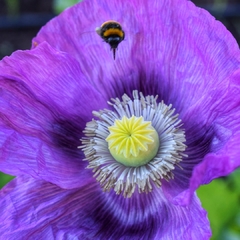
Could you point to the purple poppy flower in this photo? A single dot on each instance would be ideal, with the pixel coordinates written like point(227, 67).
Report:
point(111, 185)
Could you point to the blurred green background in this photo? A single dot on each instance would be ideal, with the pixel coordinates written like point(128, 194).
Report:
point(221, 199)
point(20, 20)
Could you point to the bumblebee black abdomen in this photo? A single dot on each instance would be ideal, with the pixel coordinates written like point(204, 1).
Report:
point(111, 32)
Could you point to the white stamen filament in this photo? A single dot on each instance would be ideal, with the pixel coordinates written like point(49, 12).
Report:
point(124, 179)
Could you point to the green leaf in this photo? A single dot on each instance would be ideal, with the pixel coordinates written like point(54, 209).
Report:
point(60, 5)
point(4, 179)
point(221, 203)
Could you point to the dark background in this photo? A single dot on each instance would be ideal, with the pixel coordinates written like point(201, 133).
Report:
point(20, 20)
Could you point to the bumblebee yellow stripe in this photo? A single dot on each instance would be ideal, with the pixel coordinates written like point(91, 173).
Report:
point(113, 31)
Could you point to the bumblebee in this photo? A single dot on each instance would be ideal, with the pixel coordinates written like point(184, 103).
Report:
point(111, 32)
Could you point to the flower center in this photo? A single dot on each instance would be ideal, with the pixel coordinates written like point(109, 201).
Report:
point(132, 141)
point(122, 146)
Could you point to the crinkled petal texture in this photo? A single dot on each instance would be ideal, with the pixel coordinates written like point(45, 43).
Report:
point(43, 110)
point(172, 49)
point(86, 213)
point(176, 51)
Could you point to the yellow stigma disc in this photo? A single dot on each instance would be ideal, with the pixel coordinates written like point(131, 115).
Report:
point(132, 141)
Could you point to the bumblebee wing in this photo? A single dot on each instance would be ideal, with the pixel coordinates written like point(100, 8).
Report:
point(98, 30)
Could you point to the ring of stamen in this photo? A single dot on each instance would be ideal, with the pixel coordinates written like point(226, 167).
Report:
point(122, 177)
